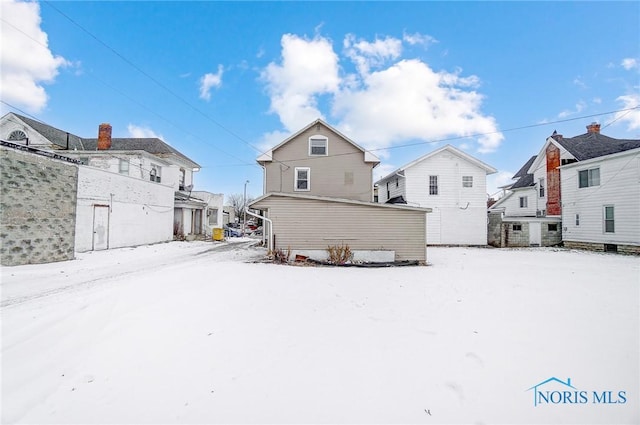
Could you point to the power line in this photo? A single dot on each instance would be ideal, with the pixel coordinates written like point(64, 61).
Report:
point(147, 75)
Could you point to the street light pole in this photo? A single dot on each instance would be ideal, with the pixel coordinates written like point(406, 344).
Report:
point(244, 208)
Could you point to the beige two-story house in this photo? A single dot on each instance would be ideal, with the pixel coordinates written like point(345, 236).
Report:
point(318, 193)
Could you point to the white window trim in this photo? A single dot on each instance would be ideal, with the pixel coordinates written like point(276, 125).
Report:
point(326, 145)
point(589, 178)
point(122, 169)
point(469, 181)
point(436, 186)
point(295, 179)
point(604, 218)
point(526, 202)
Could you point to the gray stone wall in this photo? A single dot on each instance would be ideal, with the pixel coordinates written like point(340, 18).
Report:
point(516, 238)
point(551, 237)
point(600, 247)
point(494, 230)
point(37, 208)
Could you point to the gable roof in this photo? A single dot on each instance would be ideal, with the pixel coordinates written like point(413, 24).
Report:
point(58, 137)
point(268, 155)
point(488, 169)
point(54, 135)
point(523, 171)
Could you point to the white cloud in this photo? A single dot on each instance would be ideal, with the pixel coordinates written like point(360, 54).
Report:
point(383, 170)
point(578, 108)
point(579, 82)
point(137, 131)
point(26, 60)
point(366, 55)
point(629, 63)
point(209, 81)
point(269, 140)
point(309, 69)
point(400, 101)
point(417, 38)
point(496, 180)
point(410, 101)
point(630, 117)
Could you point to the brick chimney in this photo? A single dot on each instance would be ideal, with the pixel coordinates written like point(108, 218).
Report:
point(104, 136)
point(594, 127)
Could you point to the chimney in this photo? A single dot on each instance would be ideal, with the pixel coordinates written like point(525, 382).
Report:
point(104, 136)
point(594, 127)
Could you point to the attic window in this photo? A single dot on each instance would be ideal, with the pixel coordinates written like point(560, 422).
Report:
point(318, 145)
point(17, 135)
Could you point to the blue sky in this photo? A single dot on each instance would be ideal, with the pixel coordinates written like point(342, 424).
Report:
point(223, 81)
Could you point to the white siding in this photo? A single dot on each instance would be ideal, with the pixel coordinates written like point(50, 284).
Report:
point(140, 212)
point(459, 214)
point(511, 204)
point(619, 186)
point(397, 187)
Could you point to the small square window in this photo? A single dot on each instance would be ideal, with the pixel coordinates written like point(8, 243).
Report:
point(467, 181)
point(516, 227)
point(588, 178)
point(552, 227)
point(318, 145)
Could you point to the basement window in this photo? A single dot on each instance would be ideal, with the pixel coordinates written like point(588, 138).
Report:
point(552, 227)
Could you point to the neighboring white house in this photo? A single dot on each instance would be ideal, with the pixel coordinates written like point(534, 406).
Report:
point(135, 190)
point(601, 203)
point(450, 182)
point(518, 219)
point(585, 191)
point(214, 211)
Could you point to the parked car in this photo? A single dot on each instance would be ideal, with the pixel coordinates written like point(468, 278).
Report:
point(231, 232)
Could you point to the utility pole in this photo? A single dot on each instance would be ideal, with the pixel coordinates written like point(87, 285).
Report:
point(244, 208)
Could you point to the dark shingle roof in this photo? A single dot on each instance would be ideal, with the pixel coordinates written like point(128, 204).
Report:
point(55, 136)
point(524, 181)
point(594, 145)
point(154, 146)
point(523, 171)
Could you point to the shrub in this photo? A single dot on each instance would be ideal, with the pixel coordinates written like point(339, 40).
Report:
point(339, 254)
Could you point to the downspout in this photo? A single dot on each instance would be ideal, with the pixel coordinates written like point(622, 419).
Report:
point(270, 243)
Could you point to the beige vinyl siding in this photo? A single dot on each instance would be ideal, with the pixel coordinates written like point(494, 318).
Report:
point(309, 224)
point(341, 174)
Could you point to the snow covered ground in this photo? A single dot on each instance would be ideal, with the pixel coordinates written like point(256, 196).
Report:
point(197, 333)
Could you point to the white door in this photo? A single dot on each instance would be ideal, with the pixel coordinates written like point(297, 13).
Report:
point(535, 231)
point(433, 227)
point(100, 227)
